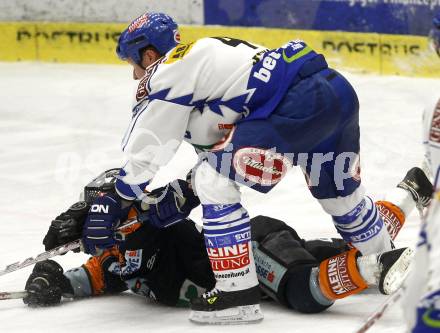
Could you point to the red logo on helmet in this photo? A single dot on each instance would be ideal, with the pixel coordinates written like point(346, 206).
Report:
point(140, 21)
point(177, 36)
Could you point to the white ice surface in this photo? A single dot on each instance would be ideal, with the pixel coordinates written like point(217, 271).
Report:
point(60, 125)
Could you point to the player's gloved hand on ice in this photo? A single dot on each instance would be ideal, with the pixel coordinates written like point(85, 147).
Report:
point(66, 227)
point(47, 284)
point(104, 217)
point(167, 205)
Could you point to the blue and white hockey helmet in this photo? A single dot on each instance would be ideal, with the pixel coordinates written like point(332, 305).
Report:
point(434, 34)
point(150, 29)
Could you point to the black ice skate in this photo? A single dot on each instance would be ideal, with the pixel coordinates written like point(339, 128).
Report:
point(394, 269)
point(417, 183)
point(227, 307)
point(386, 270)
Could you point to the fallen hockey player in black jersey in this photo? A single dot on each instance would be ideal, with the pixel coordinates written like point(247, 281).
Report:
point(171, 266)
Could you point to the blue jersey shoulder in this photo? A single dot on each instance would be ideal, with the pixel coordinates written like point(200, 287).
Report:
point(274, 71)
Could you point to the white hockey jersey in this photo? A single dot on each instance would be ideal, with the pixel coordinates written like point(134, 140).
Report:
point(198, 91)
point(422, 299)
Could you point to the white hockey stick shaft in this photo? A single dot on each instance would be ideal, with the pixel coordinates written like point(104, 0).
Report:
point(42, 256)
point(13, 295)
point(376, 315)
point(53, 253)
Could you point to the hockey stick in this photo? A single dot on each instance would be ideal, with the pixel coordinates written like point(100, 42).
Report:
point(42, 256)
point(54, 252)
point(376, 315)
point(13, 295)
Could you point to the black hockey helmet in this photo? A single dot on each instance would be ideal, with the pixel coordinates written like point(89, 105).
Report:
point(102, 184)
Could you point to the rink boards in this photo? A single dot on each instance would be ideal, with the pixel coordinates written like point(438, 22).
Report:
point(95, 43)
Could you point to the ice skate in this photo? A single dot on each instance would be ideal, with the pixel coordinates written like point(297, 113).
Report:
point(417, 183)
point(227, 308)
point(386, 270)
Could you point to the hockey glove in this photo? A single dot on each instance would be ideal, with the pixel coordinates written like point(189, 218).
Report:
point(99, 228)
point(47, 284)
point(66, 227)
point(169, 204)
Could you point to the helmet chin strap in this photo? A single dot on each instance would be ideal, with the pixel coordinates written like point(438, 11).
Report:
point(152, 64)
point(146, 68)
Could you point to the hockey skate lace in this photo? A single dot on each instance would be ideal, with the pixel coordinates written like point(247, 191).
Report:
point(421, 201)
point(424, 201)
point(421, 204)
point(211, 293)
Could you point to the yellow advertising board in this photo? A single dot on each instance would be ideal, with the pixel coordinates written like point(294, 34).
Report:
point(96, 42)
point(59, 42)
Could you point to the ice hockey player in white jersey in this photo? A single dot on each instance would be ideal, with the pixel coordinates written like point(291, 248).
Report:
point(422, 299)
point(251, 113)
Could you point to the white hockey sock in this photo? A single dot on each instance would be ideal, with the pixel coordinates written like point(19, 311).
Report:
point(402, 199)
point(358, 222)
point(364, 228)
point(227, 234)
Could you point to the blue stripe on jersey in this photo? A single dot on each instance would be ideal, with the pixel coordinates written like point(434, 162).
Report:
point(186, 100)
point(161, 95)
point(236, 104)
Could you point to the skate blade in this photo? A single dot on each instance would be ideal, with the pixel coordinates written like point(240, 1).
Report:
point(398, 272)
point(246, 314)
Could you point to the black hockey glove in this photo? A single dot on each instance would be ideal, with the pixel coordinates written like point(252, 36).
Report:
point(66, 227)
point(168, 205)
point(47, 284)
